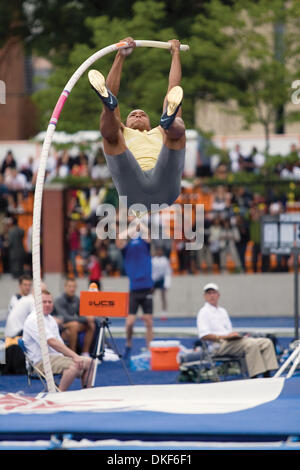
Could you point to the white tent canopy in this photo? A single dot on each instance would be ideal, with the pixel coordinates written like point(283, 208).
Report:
point(76, 138)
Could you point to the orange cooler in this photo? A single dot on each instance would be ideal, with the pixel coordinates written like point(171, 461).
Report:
point(164, 355)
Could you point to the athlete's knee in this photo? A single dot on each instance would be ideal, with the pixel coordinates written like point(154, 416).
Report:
point(87, 363)
point(148, 320)
point(130, 320)
point(176, 130)
point(73, 369)
point(251, 345)
point(109, 136)
point(73, 326)
point(90, 323)
point(178, 121)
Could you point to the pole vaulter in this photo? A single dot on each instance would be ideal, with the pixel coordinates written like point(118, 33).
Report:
point(36, 228)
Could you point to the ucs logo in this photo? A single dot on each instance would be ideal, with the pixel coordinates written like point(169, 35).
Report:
point(102, 303)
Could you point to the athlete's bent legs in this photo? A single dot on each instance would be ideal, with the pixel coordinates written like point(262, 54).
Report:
point(148, 320)
point(130, 321)
point(110, 128)
point(140, 187)
point(174, 137)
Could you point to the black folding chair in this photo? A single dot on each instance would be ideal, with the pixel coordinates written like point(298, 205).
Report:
point(204, 359)
point(33, 372)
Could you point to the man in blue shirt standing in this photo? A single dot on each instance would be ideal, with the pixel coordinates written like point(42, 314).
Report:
point(138, 267)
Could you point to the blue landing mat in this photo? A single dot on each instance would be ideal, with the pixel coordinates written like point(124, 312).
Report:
point(277, 419)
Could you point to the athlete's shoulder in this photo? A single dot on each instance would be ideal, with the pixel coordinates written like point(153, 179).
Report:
point(128, 130)
point(156, 131)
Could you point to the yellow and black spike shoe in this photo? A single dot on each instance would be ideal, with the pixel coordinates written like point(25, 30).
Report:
point(97, 82)
point(174, 100)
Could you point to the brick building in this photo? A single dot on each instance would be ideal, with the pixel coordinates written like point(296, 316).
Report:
point(17, 113)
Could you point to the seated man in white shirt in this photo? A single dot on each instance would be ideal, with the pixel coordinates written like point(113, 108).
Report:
point(214, 326)
point(17, 316)
point(63, 360)
point(25, 285)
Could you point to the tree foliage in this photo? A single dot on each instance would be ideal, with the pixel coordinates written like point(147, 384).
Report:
point(241, 51)
point(145, 73)
point(52, 27)
point(248, 53)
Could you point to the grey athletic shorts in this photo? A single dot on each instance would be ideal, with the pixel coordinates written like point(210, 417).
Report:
point(160, 185)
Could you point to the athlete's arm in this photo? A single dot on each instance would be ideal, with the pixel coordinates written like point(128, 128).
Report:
point(175, 73)
point(131, 231)
point(113, 79)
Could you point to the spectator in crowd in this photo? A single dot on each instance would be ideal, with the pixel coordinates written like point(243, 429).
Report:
point(94, 270)
point(25, 285)
point(51, 165)
point(15, 180)
point(214, 326)
point(248, 163)
point(258, 159)
point(63, 360)
point(87, 241)
point(161, 229)
point(204, 255)
point(4, 245)
point(161, 275)
point(73, 245)
point(105, 262)
point(138, 267)
point(165, 244)
point(66, 311)
point(287, 171)
point(27, 169)
point(236, 158)
point(242, 226)
point(225, 200)
point(4, 196)
point(214, 240)
point(277, 208)
point(28, 254)
point(181, 256)
point(259, 201)
point(80, 165)
point(16, 183)
point(80, 169)
point(255, 236)
point(296, 171)
point(294, 151)
point(18, 314)
point(82, 158)
point(203, 164)
point(229, 236)
point(221, 201)
point(242, 198)
point(8, 162)
point(221, 171)
point(63, 166)
point(14, 358)
point(99, 170)
point(16, 249)
point(115, 257)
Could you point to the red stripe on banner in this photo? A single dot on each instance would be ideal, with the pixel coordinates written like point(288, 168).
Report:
point(13, 402)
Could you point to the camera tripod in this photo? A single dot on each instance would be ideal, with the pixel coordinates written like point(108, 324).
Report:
point(99, 351)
